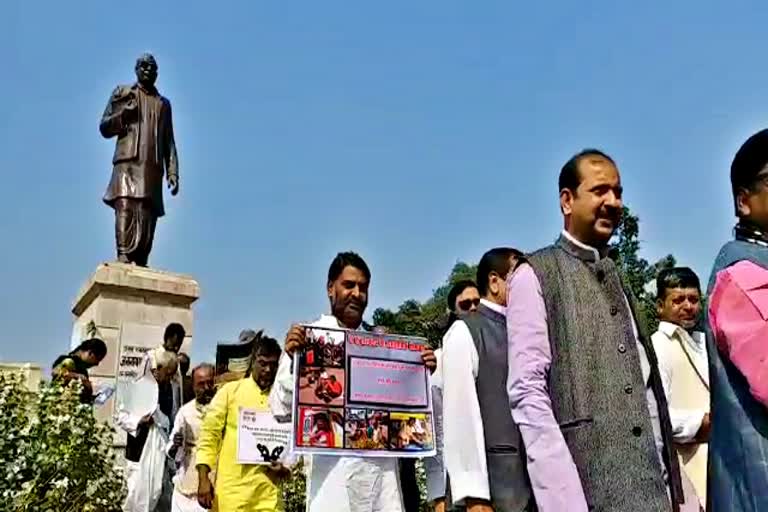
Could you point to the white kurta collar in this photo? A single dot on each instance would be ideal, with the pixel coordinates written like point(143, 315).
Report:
point(330, 322)
point(581, 244)
point(668, 328)
point(692, 344)
point(493, 306)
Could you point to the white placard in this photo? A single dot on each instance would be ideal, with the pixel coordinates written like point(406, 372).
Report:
point(138, 397)
point(135, 341)
point(260, 438)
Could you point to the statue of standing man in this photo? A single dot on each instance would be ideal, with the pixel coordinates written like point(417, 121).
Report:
point(140, 118)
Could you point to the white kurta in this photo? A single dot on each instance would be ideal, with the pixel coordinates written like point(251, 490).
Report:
point(464, 434)
point(182, 503)
point(684, 374)
point(341, 484)
point(187, 423)
point(148, 481)
point(686, 422)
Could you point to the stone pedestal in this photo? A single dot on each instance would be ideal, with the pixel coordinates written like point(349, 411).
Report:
point(129, 308)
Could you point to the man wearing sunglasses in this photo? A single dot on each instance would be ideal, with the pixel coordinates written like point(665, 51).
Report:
point(463, 297)
point(482, 444)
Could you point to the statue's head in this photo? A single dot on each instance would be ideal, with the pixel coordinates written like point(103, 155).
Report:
point(146, 69)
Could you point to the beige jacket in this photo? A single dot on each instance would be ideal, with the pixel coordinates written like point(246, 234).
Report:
point(683, 368)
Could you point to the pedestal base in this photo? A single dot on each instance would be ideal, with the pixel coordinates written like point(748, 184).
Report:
point(129, 308)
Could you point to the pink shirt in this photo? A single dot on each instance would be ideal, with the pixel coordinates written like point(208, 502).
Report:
point(554, 478)
point(738, 316)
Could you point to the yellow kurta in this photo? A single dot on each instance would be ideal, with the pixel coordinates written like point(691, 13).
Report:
point(238, 487)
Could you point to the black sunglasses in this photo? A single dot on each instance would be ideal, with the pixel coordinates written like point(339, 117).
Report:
point(465, 304)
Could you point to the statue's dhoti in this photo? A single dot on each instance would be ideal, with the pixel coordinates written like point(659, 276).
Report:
point(135, 223)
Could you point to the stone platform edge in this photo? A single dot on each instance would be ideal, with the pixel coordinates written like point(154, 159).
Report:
point(175, 288)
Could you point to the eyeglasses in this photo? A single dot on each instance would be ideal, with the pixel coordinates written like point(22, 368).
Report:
point(466, 304)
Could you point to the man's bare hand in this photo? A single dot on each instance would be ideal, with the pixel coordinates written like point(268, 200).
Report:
point(278, 471)
point(87, 386)
point(205, 492)
point(296, 339)
point(429, 359)
point(146, 420)
point(702, 436)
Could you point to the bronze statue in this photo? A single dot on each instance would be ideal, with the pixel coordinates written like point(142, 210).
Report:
point(141, 120)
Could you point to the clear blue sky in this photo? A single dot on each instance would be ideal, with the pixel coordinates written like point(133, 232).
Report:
point(416, 133)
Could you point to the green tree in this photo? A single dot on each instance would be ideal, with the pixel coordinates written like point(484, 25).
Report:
point(638, 273)
point(56, 455)
point(425, 319)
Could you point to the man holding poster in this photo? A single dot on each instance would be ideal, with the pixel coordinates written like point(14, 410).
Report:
point(342, 484)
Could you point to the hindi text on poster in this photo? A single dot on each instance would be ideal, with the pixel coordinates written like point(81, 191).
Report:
point(387, 382)
point(260, 438)
point(362, 394)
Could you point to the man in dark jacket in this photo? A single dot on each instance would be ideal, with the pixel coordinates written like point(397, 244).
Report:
point(736, 344)
point(141, 120)
point(583, 383)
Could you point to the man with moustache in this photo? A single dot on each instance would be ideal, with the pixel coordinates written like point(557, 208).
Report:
point(737, 343)
point(682, 356)
point(342, 484)
point(583, 382)
point(184, 436)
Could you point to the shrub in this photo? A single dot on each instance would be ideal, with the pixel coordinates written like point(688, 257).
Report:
point(295, 489)
point(56, 455)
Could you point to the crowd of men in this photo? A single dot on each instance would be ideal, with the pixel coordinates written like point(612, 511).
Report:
point(549, 392)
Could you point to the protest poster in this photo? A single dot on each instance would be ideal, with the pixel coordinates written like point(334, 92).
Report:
point(362, 393)
point(260, 438)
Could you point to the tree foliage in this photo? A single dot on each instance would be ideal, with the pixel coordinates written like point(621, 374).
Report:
point(638, 273)
point(295, 489)
point(427, 319)
point(56, 455)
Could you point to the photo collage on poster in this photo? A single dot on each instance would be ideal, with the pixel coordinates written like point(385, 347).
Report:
point(362, 393)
